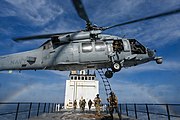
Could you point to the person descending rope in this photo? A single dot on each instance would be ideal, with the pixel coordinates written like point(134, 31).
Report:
point(113, 104)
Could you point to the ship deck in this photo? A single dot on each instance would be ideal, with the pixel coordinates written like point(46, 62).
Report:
point(78, 115)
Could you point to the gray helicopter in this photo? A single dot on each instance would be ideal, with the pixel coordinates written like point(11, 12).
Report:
point(84, 49)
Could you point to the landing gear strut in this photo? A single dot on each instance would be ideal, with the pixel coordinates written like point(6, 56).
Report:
point(116, 66)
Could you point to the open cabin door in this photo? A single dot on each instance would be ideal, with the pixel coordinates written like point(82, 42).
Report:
point(121, 49)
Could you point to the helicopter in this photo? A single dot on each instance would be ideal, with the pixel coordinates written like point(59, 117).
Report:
point(84, 49)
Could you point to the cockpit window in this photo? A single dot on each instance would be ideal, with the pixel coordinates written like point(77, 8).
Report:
point(47, 45)
point(136, 47)
point(55, 43)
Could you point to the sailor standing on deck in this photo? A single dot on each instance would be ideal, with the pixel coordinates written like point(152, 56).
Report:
point(83, 104)
point(80, 104)
point(97, 102)
point(75, 105)
point(113, 104)
point(90, 104)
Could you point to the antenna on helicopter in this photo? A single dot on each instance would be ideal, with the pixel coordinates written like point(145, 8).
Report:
point(123, 36)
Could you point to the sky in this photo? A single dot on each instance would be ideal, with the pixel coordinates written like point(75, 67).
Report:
point(147, 83)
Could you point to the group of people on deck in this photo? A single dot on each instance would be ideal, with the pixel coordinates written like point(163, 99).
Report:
point(82, 104)
point(113, 104)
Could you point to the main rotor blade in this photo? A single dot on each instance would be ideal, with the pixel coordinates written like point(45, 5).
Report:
point(145, 18)
point(80, 10)
point(41, 36)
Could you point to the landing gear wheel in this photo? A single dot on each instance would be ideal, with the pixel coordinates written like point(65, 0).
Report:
point(109, 74)
point(116, 67)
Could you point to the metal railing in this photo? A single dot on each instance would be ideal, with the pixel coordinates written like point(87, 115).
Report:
point(25, 110)
point(151, 111)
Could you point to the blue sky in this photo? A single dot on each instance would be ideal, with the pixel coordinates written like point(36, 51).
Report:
point(147, 83)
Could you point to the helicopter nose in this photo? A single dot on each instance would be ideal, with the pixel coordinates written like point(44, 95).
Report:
point(151, 53)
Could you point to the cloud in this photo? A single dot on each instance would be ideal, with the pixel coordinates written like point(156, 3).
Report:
point(62, 25)
point(161, 32)
point(39, 92)
point(130, 92)
point(61, 73)
point(115, 11)
point(154, 33)
point(4, 31)
point(165, 66)
point(157, 32)
point(126, 91)
point(40, 86)
point(38, 12)
point(122, 10)
point(138, 92)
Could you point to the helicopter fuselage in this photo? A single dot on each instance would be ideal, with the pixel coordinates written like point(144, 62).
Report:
point(81, 51)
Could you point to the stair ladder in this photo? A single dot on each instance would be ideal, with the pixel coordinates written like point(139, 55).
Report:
point(107, 85)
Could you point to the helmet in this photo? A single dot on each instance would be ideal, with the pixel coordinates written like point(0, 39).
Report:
point(111, 93)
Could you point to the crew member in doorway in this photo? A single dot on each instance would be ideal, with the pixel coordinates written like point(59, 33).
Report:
point(117, 46)
point(97, 103)
point(90, 104)
point(113, 104)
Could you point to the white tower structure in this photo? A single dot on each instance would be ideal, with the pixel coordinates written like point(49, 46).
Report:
point(81, 85)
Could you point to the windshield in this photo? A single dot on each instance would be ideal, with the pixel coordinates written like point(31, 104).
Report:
point(136, 47)
point(55, 43)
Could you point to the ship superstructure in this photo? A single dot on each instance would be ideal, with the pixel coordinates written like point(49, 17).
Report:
point(81, 85)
